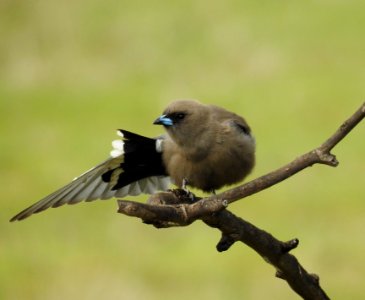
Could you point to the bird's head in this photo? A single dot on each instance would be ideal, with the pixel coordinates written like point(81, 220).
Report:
point(180, 112)
point(183, 119)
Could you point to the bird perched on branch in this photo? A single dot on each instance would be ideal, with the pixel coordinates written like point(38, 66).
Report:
point(206, 147)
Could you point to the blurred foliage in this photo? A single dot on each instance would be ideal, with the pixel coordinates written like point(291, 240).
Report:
point(72, 72)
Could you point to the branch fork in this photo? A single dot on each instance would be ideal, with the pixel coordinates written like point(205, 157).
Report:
point(172, 208)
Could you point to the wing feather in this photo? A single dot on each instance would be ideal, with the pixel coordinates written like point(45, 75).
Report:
point(90, 186)
point(132, 172)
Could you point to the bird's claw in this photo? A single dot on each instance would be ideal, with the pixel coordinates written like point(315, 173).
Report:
point(184, 184)
point(189, 194)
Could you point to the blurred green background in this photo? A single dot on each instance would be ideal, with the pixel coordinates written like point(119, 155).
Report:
point(71, 72)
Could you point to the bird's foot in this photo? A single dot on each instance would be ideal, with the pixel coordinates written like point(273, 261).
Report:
point(184, 184)
point(188, 194)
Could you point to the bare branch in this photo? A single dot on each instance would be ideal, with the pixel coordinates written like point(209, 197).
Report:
point(175, 208)
point(162, 211)
point(167, 209)
point(320, 155)
point(344, 129)
point(271, 250)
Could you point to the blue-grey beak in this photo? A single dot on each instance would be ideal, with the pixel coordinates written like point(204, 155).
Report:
point(163, 120)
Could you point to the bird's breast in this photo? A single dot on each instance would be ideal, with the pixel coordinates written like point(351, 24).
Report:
point(218, 167)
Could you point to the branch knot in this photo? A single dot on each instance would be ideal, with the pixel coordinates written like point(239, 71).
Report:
point(326, 158)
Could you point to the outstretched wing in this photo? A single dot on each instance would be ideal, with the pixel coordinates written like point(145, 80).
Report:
point(135, 167)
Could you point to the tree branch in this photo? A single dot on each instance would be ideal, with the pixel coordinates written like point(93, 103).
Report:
point(175, 208)
point(162, 211)
point(320, 155)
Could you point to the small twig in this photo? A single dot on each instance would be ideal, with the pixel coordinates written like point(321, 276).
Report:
point(344, 130)
point(175, 209)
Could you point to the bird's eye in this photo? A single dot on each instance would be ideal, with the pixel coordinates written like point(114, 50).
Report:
point(180, 116)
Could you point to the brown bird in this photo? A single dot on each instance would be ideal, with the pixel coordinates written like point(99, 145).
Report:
point(206, 147)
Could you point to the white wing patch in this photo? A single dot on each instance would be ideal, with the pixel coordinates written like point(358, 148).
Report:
point(118, 148)
point(159, 145)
